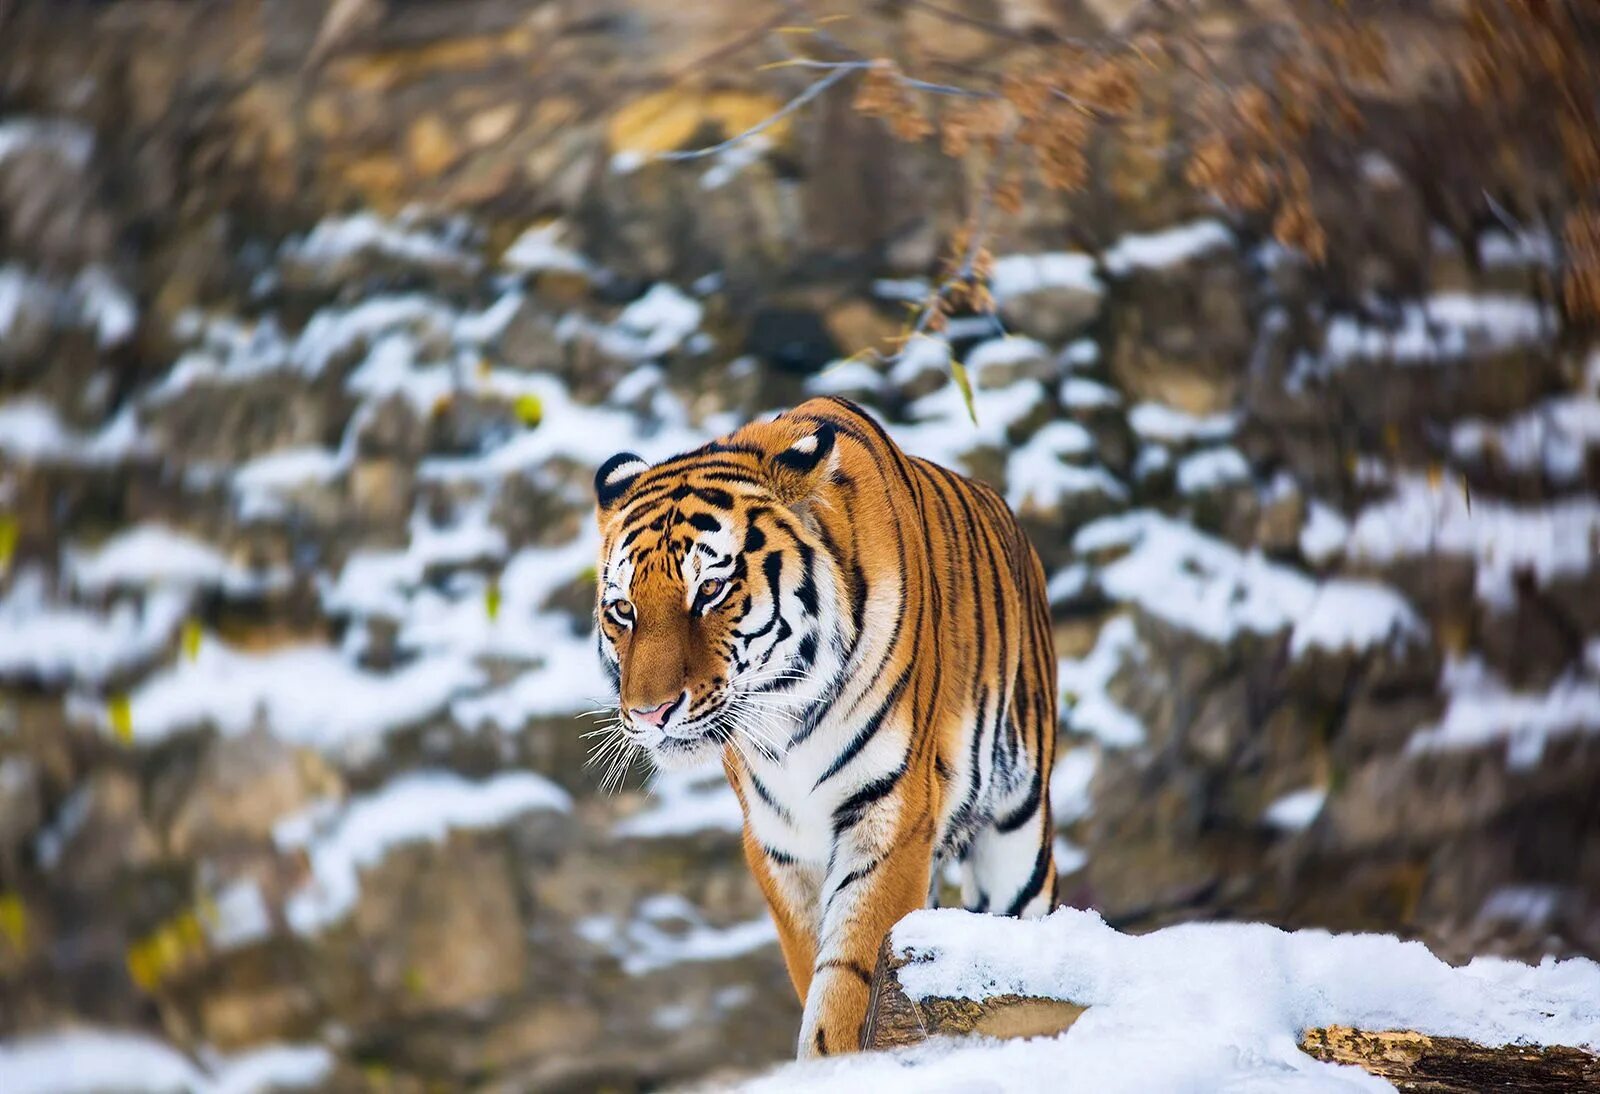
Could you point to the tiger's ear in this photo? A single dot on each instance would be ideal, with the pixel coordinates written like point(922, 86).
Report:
point(795, 472)
point(615, 476)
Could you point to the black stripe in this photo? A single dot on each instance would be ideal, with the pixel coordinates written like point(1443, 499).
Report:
point(851, 878)
point(705, 522)
point(1041, 867)
point(782, 858)
point(766, 797)
point(852, 808)
point(1030, 805)
point(861, 971)
point(867, 731)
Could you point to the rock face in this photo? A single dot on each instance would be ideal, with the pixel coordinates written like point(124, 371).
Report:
point(311, 335)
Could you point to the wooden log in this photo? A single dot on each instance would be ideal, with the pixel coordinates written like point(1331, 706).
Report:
point(1414, 1062)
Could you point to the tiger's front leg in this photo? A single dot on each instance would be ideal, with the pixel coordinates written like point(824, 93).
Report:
point(880, 873)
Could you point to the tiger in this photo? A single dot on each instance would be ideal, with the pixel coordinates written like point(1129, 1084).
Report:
point(862, 638)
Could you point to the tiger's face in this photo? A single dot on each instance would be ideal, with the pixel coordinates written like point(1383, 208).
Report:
point(715, 604)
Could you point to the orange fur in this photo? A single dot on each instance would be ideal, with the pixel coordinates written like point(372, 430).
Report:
point(873, 665)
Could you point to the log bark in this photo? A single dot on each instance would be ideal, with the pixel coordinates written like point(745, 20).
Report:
point(1415, 1063)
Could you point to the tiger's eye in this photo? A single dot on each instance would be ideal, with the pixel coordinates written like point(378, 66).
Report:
point(710, 588)
point(621, 611)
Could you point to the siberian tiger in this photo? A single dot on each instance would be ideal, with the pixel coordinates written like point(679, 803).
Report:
point(863, 638)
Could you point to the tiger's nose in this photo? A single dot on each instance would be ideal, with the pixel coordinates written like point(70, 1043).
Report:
point(655, 716)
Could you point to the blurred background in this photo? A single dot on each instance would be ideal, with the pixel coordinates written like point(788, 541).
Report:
point(1275, 322)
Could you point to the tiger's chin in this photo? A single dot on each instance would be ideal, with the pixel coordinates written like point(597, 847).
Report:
point(682, 754)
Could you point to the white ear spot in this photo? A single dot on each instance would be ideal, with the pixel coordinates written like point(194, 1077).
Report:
point(805, 445)
point(623, 471)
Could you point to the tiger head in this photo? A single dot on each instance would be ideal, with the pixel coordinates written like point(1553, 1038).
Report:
point(717, 600)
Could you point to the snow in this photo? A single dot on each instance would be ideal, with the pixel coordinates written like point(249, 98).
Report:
point(379, 582)
point(91, 1061)
point(154, 555)
point(942, 431)
point(668, 931)
point(307, 695)
point(1482, 711)
point(1324, 534)
point(1161, 250)
point(1549, 542)
point(1018, 275)
point(1198, 1007)
point(1083, 682)
point(32, 432)
point(1078, 393)
point(1295, 811)
point(239, 915)
point(1354, 615)
point(1499, 249)
point(56, 643)
point(541, 250)
point(1168, 425)
point(1553, 438)
point(1010, 350)
point(335, 240)
point(69, 140)
point(1194, 582)
point(655, 324)
point(259, 485)
point(844, 377)
point(1212, 470)
point(1070, 782)
point(1443, 327)
point(1210, 588)
point(423, 806)
point(1037, 478)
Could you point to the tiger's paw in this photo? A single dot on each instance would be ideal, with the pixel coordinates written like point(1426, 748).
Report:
point(836, 1010)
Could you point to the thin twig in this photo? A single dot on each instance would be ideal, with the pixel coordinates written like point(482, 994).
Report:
point(788, 108)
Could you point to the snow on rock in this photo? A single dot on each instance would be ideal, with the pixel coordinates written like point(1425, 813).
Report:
point(154, 555)
point(1168, 425)
point(1553, 438)
point(90, 1061)
point(540, 250)
point(422, 806)
point(1189, 580)
point(1205, 1006)
point(845, 377)
point(653, 325)
point(336, 240)
point(1211, 470)
point(378, 582)
point(1078, 393)
point(1354, 615)
point(941, 429)
point(56, 643)
point(69, 140)
point(1070, 780)
point(32, 432)
point(1009, 350)
point(307, 695)
point(1039, 478)
point(1553, 541)
point(1159, 250)
point(1017, 275)
point(1324, 533)
point(1295, 811)
point(668, 931)
point(1482, 711)
point(1445, 327)
point(1192, 581)
point(1084, 681)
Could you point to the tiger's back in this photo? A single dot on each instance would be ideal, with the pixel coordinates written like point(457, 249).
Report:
point(878, 677)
